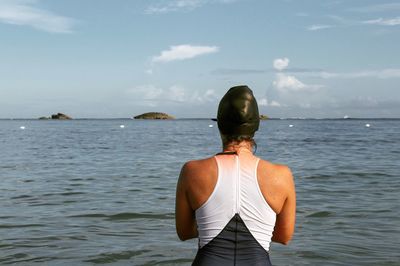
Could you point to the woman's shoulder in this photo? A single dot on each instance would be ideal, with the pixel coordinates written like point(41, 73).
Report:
point(198, 178)
point(198, 168)
point(276, 183)
point(199, 163)
point(276, 172)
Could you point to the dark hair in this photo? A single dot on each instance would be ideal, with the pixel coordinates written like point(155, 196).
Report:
point(236, 139)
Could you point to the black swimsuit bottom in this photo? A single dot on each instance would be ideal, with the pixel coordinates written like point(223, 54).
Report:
point(235, 245)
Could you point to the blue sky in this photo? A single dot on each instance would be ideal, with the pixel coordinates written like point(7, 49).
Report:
point(100, 58)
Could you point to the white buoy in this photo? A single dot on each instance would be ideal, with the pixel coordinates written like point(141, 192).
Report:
point(290, 125)
point(367, 125)
point(22, 127)
point(210, 126)
point(122, 126)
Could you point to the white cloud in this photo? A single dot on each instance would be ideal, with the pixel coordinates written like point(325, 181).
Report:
point(200, 97)
point(337, 22)
point(265, 102)
point(153, 95)
point(22, 12)
point(381, 74)
point(209, 95)
point(174, 6)
point(275, 104)
point(344, 22)
point(281, 63)
point(318, 27)
point(181, 5)
point(184, 51)
point(387, 73)
point(286, 83)
point(384, 22)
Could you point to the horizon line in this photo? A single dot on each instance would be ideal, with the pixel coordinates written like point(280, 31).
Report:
point(201, 118)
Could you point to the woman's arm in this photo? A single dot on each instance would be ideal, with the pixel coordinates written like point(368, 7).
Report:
point(286, 218)
point(185, 221)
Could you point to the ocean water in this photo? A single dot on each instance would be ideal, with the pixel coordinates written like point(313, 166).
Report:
point(87, 192)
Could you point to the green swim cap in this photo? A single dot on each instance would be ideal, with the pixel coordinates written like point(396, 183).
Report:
point(238, 112)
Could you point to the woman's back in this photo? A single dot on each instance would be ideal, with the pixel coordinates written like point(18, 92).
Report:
point(235, 224)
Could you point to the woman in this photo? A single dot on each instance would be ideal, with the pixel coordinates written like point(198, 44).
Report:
point(234, 202)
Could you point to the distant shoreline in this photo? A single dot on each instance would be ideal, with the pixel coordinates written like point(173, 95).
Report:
point(124, 118)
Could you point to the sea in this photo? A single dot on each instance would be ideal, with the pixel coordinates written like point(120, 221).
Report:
point(102, 191)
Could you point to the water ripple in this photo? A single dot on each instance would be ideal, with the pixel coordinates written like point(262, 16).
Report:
point(86, 192)
point(114, 257)
point(126, 216)
point(8, 226)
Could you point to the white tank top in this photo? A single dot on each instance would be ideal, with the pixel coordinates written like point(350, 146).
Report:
point(236, 192)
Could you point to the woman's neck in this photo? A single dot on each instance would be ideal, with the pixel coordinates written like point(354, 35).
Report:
point(238, 147)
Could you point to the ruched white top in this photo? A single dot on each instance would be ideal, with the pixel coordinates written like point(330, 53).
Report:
point(236, 192)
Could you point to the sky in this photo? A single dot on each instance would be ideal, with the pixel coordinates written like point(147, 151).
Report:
point(121, 58)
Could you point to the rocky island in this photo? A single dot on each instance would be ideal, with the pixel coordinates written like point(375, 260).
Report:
point(58, 116)
point(154, 115)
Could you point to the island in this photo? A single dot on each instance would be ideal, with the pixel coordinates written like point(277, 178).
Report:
point(58, 116)
point(154, 115)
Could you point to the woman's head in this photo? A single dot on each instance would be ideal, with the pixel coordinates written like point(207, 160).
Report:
point(238, 117)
